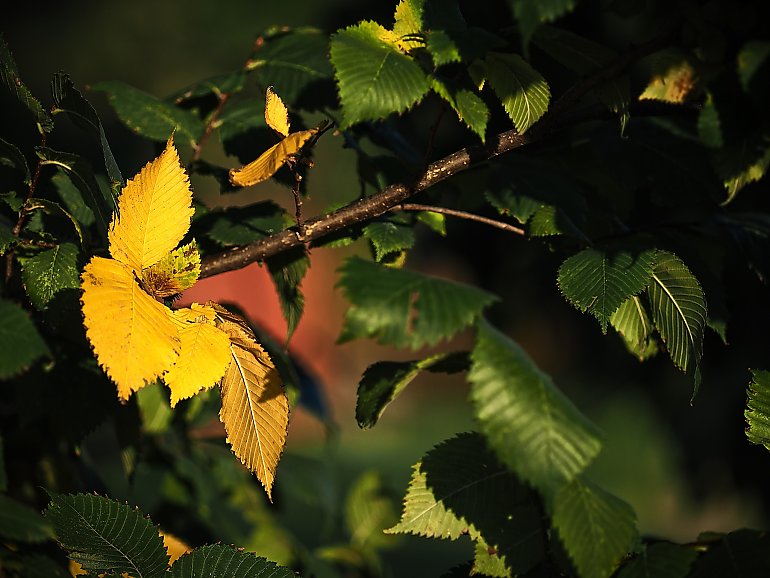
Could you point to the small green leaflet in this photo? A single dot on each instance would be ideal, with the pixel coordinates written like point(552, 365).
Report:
point(596, 528)
point(532, 426)
point(599, 280)
point(50, 272)
point(632, 322)
point(679, 312)
point(522, 90)
point(388, 238)
point(758, 408)
point(404, 308)
point(374, 77)
point(467, 104)
point(103, 535)
point(20, 343)
point(383, 381)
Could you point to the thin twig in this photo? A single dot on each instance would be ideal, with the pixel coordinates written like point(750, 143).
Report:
point(461, 215)
point(294, 168)
point(209, 128)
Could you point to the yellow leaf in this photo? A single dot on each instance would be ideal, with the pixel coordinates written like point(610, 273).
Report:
point(271, 160)
point(673, 84)
point(276, 115)
point(175, 272)
point(154, 212)
point(76, 569)
point(174, 546)
point(255, 409)
point(204, 354)
point(132, 334)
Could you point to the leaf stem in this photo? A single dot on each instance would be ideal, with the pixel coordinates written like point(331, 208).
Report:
point(461, 215)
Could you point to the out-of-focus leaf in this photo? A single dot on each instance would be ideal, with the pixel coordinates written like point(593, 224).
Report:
point(522, 90)
point(531, 13)
point(68, 99)
point(661, 560)
point(758, 409)
point(752, 56)
point(442, 307)
point(20, 523)
point(50, 272)
point(20, 343)
point(383, 381)
point(11, 156)
point(9, 74)
point(739, 553)
point(374, 77)
point(149, 116)
point(532, 426)
point(154, 408)
point(368, 511)
point(596, 528)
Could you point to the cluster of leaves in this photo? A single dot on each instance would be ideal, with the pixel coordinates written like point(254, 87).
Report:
point(646, 218)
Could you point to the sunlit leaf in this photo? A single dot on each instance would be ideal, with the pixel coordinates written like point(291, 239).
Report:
point(132, 334)
point(758, 409)
point(383, 300)
point(20, 343)
point(470, 108)
point(596, 528)
point(487, 563)
point(154, 212)
point(679, 312)
point(674, 81)
point(175, 272)
point(255, 409)
point(266, 165)
point(375, 78)
point(204, 353)
point(106, 536)
point(276, 114)
point(599, 280)
point(522, 90)
point(220, 561)
point(633, 324)
point(532, 426)
point(50, 272)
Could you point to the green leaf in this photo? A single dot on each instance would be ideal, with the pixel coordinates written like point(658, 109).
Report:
point(661, 560)
point(487, 563)
point(408, 18)
point(598, 281)
point(368, 511)
point(20, 343)
point(220, 561)
point(435, 221)
point(388, 237)
point(7, 238)
point(596, 528)
point(50, 272)
point(244, 225)
point(242, 117)
point(633, 324)
point(296, 63)
point(9, 74)
point(460, 488)
point(374, 77)
point(751, 174)
point(42, 566)
point(68, 99)
point(585, 57)
point(383, 381)
point(751, 57)
point(21, 523)
point(758, 408)
point(522, 90)
point(106, 536)
point(442, 48)
point(468, 105)
point(739, 553)
point(679, 312)
point(11, 156)
point(101, 202)
point(531, 13)
point(51, 208)
point(73, 199)
point(532, 426)
point(287, 270)
point(404, 308)
point(231, 82)
point(149, 116)
point(154, 408)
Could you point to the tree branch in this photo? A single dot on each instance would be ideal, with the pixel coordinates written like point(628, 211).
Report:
point(396, 194)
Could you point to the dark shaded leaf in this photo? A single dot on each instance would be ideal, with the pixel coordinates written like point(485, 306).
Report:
point(220, 561)
point(20, 343)
point(50, 272)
